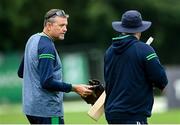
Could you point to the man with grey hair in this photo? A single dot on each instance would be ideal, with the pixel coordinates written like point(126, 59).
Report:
point(41, 70)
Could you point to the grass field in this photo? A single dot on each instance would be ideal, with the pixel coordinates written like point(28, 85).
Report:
point(12, 114)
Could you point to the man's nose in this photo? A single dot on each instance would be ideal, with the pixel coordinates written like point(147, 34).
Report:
point(64, 28)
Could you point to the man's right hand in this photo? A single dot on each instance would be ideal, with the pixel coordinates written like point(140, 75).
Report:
point(97, 88)
point(82, 90)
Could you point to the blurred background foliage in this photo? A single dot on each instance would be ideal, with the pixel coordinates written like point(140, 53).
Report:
point(90, 22)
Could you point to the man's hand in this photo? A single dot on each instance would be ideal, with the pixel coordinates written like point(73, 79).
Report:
point(97, 88)
point(82, 90)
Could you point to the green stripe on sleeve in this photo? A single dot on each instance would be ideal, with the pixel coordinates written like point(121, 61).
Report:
point(55, 120)
point(46, 57)
point(152, 57)
point(50, 56)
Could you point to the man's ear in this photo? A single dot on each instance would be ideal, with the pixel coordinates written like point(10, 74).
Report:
point(137, 35)
point(48, 25)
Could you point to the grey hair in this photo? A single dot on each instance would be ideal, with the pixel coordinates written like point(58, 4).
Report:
point(51, 14)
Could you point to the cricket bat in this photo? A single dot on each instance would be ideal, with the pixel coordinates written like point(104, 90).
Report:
point(96, 111)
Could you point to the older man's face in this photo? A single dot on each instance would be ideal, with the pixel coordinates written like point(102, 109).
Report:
point(58, 28)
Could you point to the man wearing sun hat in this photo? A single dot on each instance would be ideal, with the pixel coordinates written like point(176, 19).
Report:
point(131, 70)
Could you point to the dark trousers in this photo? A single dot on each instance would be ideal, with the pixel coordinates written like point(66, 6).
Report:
point(117, 121)
point(45, 120)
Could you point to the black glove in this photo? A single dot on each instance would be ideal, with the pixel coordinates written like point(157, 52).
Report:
point(97, 88)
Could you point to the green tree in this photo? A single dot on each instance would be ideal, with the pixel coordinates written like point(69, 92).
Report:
point(90, 22)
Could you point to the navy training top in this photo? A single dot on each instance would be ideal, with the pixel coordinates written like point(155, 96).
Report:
point(131, 70)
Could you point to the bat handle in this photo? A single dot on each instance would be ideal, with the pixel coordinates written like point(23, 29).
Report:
point(150, 40)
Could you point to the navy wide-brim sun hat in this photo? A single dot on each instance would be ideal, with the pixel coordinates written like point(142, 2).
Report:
point(131, 22)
